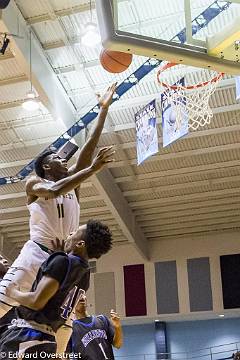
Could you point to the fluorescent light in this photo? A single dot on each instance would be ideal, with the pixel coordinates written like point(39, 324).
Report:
point(31, 104)
point(91, 36)
point(221, 315)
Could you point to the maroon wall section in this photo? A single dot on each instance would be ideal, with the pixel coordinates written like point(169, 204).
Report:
point(135, 292)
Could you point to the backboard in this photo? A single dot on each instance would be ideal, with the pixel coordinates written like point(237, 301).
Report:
point(200, 33)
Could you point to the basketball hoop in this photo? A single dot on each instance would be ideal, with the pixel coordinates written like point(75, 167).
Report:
point(191, 100)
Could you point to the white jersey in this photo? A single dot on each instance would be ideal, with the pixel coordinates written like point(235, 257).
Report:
point(53, 218)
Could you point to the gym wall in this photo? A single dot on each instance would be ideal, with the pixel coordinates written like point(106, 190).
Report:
point(183, 277)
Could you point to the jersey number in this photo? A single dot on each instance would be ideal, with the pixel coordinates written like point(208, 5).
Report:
point(101, 347)
point(70, 300)
point(60, 209)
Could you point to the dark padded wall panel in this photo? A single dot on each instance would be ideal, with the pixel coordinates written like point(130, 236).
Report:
point(166, 287)
point(199, 281)
point(230, 271)
point(135, 293)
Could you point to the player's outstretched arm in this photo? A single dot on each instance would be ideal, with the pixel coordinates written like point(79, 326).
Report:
point(87, 151)
point(39, 188)
point(36, 300)
point(118, 334)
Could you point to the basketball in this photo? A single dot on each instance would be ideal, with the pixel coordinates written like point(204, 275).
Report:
point(115, 61)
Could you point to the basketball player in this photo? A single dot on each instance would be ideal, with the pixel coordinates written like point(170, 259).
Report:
point(53, 203)
point(94, 336)
point(236, 356)
point(59, 283)
point(3, 267)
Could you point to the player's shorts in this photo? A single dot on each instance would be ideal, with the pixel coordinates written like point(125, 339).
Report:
point(17, 341)
point(23, 272)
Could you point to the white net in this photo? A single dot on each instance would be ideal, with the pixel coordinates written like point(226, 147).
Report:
point(191, 102)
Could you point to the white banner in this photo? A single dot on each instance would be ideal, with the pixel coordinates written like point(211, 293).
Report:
point(237, 87)
point(174, 119)
point(146, 132)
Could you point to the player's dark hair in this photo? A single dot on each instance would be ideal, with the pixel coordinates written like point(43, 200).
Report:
point(3, 267)
point(98, 239)
point(236, 356)
point(40, 160)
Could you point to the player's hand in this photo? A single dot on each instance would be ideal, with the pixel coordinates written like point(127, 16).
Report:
point(11, 289)
point(105, 100)
point(57, 245)
point(115, 318)
point(104, 156)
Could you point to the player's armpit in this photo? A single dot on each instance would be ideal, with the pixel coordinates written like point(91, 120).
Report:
point(36, 187)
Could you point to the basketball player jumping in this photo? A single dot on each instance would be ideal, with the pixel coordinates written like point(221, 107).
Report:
point(94, 336)
point(57, 288)
point(53, 202)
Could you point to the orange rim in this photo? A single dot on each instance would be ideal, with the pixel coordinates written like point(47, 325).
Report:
point(190, 87)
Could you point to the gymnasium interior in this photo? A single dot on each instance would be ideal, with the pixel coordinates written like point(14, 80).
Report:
point(174, 271)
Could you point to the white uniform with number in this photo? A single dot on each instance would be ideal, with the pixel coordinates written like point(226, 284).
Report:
point(49, 219)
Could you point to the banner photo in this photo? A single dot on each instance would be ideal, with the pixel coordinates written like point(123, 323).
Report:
point(237, 79)
point(174, 118)
point(146, 132)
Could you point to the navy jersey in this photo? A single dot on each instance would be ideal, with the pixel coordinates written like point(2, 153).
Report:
point(92, 337)
point(59, 307)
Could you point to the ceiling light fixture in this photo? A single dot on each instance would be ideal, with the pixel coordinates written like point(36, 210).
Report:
point(31, 103)
point(91, 36)
point(221, 315)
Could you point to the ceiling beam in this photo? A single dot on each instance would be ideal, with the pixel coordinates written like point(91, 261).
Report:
point(131, 124)
point(164, 173)
point(176, 199)
point(196, 230)
point(195, 134)
point(191, 225)
point(53, 16)
point(12, 196)
point(13, 209)
point(15, 163)
point(189, 209)
point(15, 228)
point(194, 236)
point(179, 154)
point(112, 195)
point(181, 219)
point(192, 134)
point(18, 235)
point(78, 67)
point(18, 145)
point(21, 220)
point(13, 80)
point(11, 104)
point(23, 194)
point(184, 185)
point(99, 211)
point(143, 99)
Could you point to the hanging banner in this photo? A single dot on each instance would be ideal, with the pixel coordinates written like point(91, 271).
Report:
point(174, 118)
point(237, 79)
point(146, 132)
